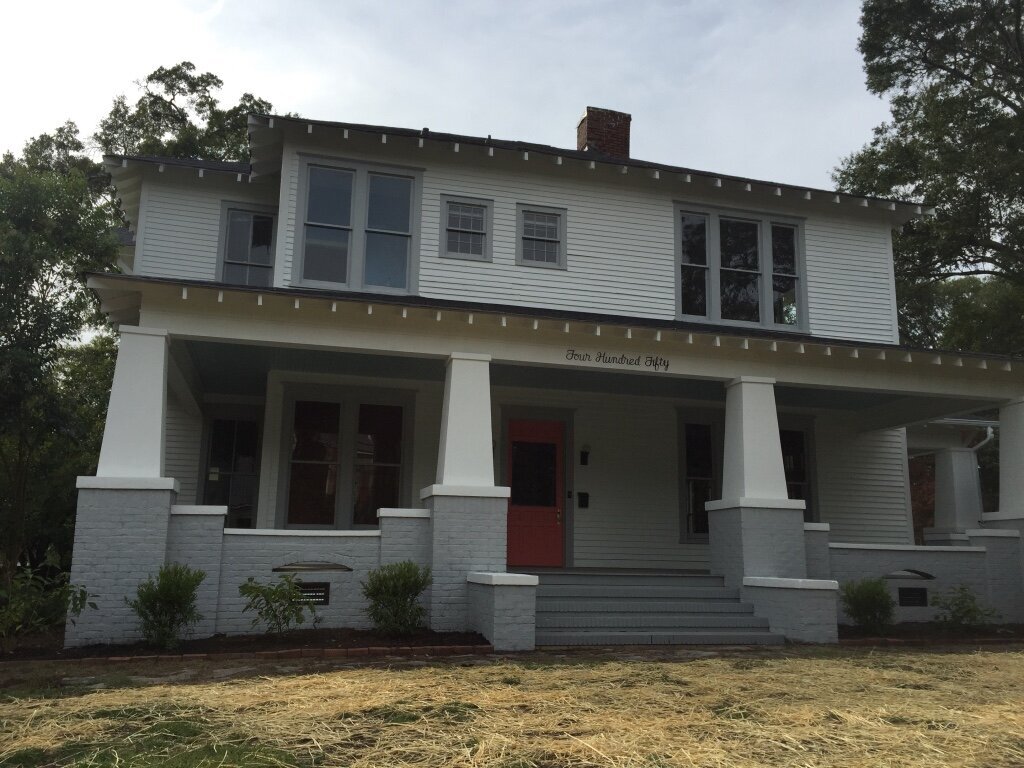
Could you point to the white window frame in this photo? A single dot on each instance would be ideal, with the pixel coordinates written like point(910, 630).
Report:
point(226, 209)
point(488, 233)
point(563, 215)
point(713, 215)
point(361, 171)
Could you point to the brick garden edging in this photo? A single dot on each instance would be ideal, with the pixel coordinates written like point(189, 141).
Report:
point(291, 653)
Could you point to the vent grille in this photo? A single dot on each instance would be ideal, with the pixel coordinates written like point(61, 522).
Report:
point(913, 597)
point(315, 592)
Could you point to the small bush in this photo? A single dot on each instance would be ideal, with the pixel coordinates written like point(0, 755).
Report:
point(869, 604)
point(36, 600)
point(280, 605)
point(959, 609)
point(166, 606)
point(393, 591)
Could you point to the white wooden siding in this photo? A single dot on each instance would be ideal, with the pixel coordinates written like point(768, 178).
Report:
point(863, 485)
point(850, 285)
point(182, 231)
point(182, 444)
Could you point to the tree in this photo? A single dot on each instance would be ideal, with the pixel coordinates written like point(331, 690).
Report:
point(954, 72)
point(53, 227)
point(178, 115)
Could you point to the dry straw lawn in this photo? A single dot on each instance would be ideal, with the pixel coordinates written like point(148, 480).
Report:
point(801, 708)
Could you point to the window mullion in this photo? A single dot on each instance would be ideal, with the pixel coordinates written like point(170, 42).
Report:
point(715, 268)
point(767, 266)
point(360, 220)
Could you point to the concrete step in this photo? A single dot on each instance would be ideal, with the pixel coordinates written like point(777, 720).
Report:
point(640, 606)
point(661, 622)
point(638, 592)
point(632, 579)
point(688, 637)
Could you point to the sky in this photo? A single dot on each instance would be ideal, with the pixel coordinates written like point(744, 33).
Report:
point(768, 89)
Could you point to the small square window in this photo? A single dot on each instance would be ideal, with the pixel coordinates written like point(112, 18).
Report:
point(248, 257)
point(541, 237)
point(465, 228)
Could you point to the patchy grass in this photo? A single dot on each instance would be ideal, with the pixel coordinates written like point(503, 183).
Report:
point(806, 707)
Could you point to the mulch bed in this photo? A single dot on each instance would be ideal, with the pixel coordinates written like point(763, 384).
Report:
point(303, 643)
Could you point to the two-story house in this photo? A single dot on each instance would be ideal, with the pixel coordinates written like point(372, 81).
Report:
point(605, 400)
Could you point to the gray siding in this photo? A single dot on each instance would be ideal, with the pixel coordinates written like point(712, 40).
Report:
point(863, 485)
point(181, 228)
point(182, 440)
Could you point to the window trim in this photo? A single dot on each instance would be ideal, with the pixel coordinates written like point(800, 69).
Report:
point(766, 272)
point(442, 244)
point(563, 215)
point(349, 398)
point(361, 170)
point(226, 207)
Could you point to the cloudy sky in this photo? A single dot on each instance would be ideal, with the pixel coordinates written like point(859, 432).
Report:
point(771, 89)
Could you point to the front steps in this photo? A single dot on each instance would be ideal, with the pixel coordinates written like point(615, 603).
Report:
point(609, 608)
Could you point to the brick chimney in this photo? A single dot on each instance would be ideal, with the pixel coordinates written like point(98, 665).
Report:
point(605, 131)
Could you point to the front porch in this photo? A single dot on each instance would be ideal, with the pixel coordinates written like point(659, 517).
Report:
point(485, 469)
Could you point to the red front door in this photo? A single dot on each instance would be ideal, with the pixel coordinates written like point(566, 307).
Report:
point(536, 475)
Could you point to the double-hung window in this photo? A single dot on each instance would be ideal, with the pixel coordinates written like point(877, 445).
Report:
point(466, 228)
point(358, 228)
point(248, 248)
point(541, 237)
point(739, 268)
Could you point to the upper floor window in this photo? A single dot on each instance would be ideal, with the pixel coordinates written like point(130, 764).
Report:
point(739, 268)
point(248, 248)
point(541, 237)
point(358, 228)
point(467, 228)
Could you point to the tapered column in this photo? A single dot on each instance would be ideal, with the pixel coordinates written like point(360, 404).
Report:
point(957, 492)
point(752, 468)
point(133, 438)
point(1011, 460)
point(465, 457)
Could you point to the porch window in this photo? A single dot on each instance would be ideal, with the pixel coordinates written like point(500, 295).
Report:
point(232, 462)
point(313, 482)
point(699, 486)
point(738, 268)
point(378, 461)
point(794, 462)
point(358, 228)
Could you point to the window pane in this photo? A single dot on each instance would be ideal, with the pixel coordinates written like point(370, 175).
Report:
point(326, 254)
point(246, 456)
point(387, 259)
point(784, 300)
point(236, 274)
point(783, 249)
point(330, 196)
point(740, 296)
point(463, 216)
point(739, 245)
point(315, 436)
point(262, 233)
point(698, 491)
point(543, 225)
point(222, 446)
point(540, 250)
point(259, 277)
point(380, 434)
point(469, 243)
point(376, 487)
point(698, 450)
point(533, 474)
point(794, 455)
point(311, 494)
point(695, 239)
point(390, 203)
point(694, 295)
point(239, 226)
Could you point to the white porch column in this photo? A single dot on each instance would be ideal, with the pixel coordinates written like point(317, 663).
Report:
point(957, 492)
point(133, 438)
point(465, 456)
point(752, 468)
point(1011, 460)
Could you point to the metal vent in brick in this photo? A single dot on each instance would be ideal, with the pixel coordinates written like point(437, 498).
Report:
point(315, 592)
point(913, 597)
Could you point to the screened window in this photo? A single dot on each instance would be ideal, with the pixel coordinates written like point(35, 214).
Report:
point(358, 228)
point(249, 248)
point(738, 268)
point(541, 240)
point(794, 462)
point(232, 464)
point(467, 225)
point(698, 476)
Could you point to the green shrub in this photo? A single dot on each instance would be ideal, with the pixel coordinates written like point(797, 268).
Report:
point(36, 601)
point(393, 591)
point(869, 604)
point(279, 605)
point(959, 609)
point(166, 606)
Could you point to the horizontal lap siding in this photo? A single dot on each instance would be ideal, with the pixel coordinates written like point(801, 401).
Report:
point(862, 485)
point(182, 225)
point(182, 447)
point(849, 280)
